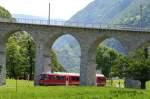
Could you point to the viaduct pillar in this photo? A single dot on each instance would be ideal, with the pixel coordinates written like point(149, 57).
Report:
point(87, 66)
point(2, 62)
point(2, 66)
point(42, 61)
point(39, 61)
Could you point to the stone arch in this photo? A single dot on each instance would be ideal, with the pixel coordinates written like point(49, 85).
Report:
point(143, 45)
point(4, 35)
point(100, 40)
point(95, 44)
point(8, 34)
point(53, 39)
point(91, 60)
point(88, 60)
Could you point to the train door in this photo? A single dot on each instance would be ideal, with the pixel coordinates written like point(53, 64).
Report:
point(67, 80)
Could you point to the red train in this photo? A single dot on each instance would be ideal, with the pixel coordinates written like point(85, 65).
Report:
point(49, 79)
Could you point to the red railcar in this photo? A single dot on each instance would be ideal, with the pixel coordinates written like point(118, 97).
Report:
point(49, 79)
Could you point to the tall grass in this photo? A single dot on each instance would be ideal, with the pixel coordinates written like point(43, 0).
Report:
point(26, 90)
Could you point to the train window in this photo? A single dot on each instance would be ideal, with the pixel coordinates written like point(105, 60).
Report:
point(75, 78)
point(56, 78)
point(100, 78)
point(52, 78)
point(60, 78)
point(43, 76)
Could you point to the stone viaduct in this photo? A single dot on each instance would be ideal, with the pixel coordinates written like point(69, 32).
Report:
point(88, 38)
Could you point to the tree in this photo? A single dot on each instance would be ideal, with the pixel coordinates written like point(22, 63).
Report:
point(21, 51)
point(136, 67)
point(14, 58)
point(55, 65)
point(31, 56)
point(104, 58)
point(28, 52)
point(119, 66)
point(139, 70)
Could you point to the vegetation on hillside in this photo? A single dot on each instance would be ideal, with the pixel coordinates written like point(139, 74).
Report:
point(136, 15)
point(4, 13)
point(55, 65)
point(68, 52)
point(119, 12)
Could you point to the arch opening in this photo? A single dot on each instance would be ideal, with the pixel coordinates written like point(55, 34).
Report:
point(65, 52)
point(104, 52)
point(20, 55)
point(109, 48)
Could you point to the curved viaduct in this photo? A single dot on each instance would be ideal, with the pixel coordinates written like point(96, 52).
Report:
point(88, 38)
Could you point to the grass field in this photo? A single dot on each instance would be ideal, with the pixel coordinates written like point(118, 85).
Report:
point(26, 90)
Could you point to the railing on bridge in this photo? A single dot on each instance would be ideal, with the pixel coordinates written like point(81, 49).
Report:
point(75, 24)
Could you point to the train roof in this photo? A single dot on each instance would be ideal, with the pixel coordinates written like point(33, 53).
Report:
point(70, 74)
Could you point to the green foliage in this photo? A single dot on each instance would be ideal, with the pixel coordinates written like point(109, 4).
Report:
point(137, 67)
point(56, 66)
point(105, 58)
point(122, 12)
point(18, 57)
point(139, 70)
point(4, 13)
point(14, 58)
point(30, 55)
point(119, 67)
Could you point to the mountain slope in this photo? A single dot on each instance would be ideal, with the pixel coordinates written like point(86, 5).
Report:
point(68, 52)
point(134, 14)
point(125, 12)
point(4, 13)
point(100, 11)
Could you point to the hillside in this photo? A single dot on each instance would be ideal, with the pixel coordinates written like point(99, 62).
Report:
point(125, 12)
point(131, 16)
point(4, 13)
point(68, 52)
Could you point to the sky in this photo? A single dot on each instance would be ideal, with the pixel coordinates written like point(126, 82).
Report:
point(60, 9)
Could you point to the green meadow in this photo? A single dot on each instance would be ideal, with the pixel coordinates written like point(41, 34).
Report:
point(26, 90)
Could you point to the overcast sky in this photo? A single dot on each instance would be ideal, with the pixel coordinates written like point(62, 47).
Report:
point(60, 9)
